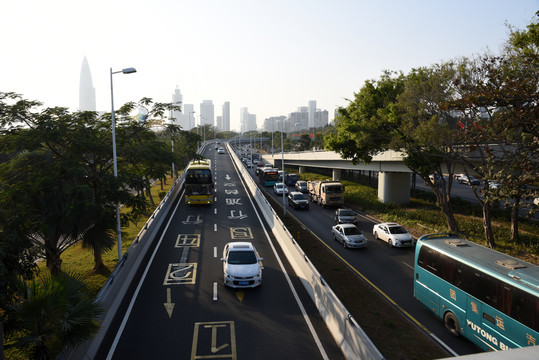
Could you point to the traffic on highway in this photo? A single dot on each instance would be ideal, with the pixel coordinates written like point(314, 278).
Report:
point(387, 262)
point(217, 287)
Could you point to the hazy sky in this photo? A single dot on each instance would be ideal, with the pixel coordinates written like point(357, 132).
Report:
point(269, 56)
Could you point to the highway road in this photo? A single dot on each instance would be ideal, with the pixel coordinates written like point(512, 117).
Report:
point(182, 310)
point(388, 269)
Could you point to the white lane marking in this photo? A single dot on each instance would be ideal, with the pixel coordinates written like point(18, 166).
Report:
point(214, 227)
point(139, 286)
point(215, 291)
point(283, 270)
point(215, 211)
point(410, 266)
point(215, 251)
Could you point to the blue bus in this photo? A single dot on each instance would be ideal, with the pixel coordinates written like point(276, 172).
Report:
point(268, 176)
point(488, 297)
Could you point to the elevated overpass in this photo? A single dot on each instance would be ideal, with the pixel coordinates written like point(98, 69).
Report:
point(394, 177)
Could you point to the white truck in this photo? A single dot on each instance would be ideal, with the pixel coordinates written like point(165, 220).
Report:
point(326, 193)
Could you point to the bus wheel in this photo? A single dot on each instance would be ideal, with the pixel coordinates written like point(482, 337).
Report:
point(452, 323)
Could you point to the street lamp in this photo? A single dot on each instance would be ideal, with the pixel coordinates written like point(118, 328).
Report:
point(115, 165)
point(282, 161)
point(172, 137)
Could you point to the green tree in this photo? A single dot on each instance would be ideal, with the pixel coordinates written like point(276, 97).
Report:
point(49, 314)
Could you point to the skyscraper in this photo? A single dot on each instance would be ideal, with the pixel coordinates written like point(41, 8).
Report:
point(206, 113)
point(177, 99)
point(86, 88)
point(226, 116)
point(312, 112)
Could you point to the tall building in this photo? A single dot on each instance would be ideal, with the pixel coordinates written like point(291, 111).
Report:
point(189, 116)
point(206, 113)
point(226, 116)
point(247, 121)
point(219, 122)
point(86, 88)
point(312, 111)
point(273, 123)
point(177, 99)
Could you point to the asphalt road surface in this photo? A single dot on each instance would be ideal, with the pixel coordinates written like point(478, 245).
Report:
point(390, 270)
point(182, 310)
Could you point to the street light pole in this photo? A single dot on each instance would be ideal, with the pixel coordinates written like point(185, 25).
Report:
point(114, 159)
point(282, 165)
point(172, 139)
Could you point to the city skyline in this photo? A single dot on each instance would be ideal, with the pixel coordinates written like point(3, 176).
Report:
point(268, 57)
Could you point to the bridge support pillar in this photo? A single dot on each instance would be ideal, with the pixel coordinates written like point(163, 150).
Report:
point(394, 187)
point(301, 169)
point(337, 175)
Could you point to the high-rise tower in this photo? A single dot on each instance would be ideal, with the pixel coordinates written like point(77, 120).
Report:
point(86, 88)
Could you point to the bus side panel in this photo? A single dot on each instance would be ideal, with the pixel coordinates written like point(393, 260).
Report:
point(440, 296)
point(426, 296)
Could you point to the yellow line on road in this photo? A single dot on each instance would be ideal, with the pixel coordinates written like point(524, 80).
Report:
point(364, 278)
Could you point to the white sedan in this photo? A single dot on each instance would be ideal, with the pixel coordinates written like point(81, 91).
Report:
point(241, 265)
point(394, 234)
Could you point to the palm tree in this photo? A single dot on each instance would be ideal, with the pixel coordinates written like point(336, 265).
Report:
point(51, 313)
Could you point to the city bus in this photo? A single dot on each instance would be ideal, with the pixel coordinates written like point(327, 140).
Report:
point(268, 176)
point(199, 183)
point(488, 297)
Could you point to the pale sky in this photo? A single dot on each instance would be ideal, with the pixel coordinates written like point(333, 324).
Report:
point(268, 56)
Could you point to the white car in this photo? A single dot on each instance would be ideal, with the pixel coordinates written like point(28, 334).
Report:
point(278, 188)
point(394, 234)
point(242, 267)
point(349, 235)
point(220, 150)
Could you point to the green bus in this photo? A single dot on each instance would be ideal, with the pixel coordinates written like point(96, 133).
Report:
point(488, 297)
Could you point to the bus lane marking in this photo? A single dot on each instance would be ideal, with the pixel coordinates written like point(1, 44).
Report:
point(214, 340)
point(181, 274)
point(190, 240)
point(241, 233)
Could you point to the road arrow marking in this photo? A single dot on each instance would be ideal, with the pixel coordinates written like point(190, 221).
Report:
point(240, 295)
point(169, 305)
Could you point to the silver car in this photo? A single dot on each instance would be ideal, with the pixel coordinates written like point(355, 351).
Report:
point(241, 265)
point(349, 235)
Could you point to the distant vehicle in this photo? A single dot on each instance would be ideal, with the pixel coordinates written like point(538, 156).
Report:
point(220, 150)
point(268, 176)
point(468, 180)
point(436, 179)
point(345, 216)
point(393, 233)
point(291, 179)
point(297, 200)
point(488, 297)
point(326, 193)
point(248, 163)
point(241, 265)
point(301, 186)
point(279, 187)
point(349, 235)
point(493, 184)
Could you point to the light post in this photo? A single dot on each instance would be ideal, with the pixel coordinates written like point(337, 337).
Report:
point(282, 162)
point(114, 159)
point(172, 138)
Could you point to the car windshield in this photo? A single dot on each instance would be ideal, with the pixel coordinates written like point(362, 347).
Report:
point(241, 257)
point(299, 197)
point(346, 213)
point(351, 231)
point(397, 230)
